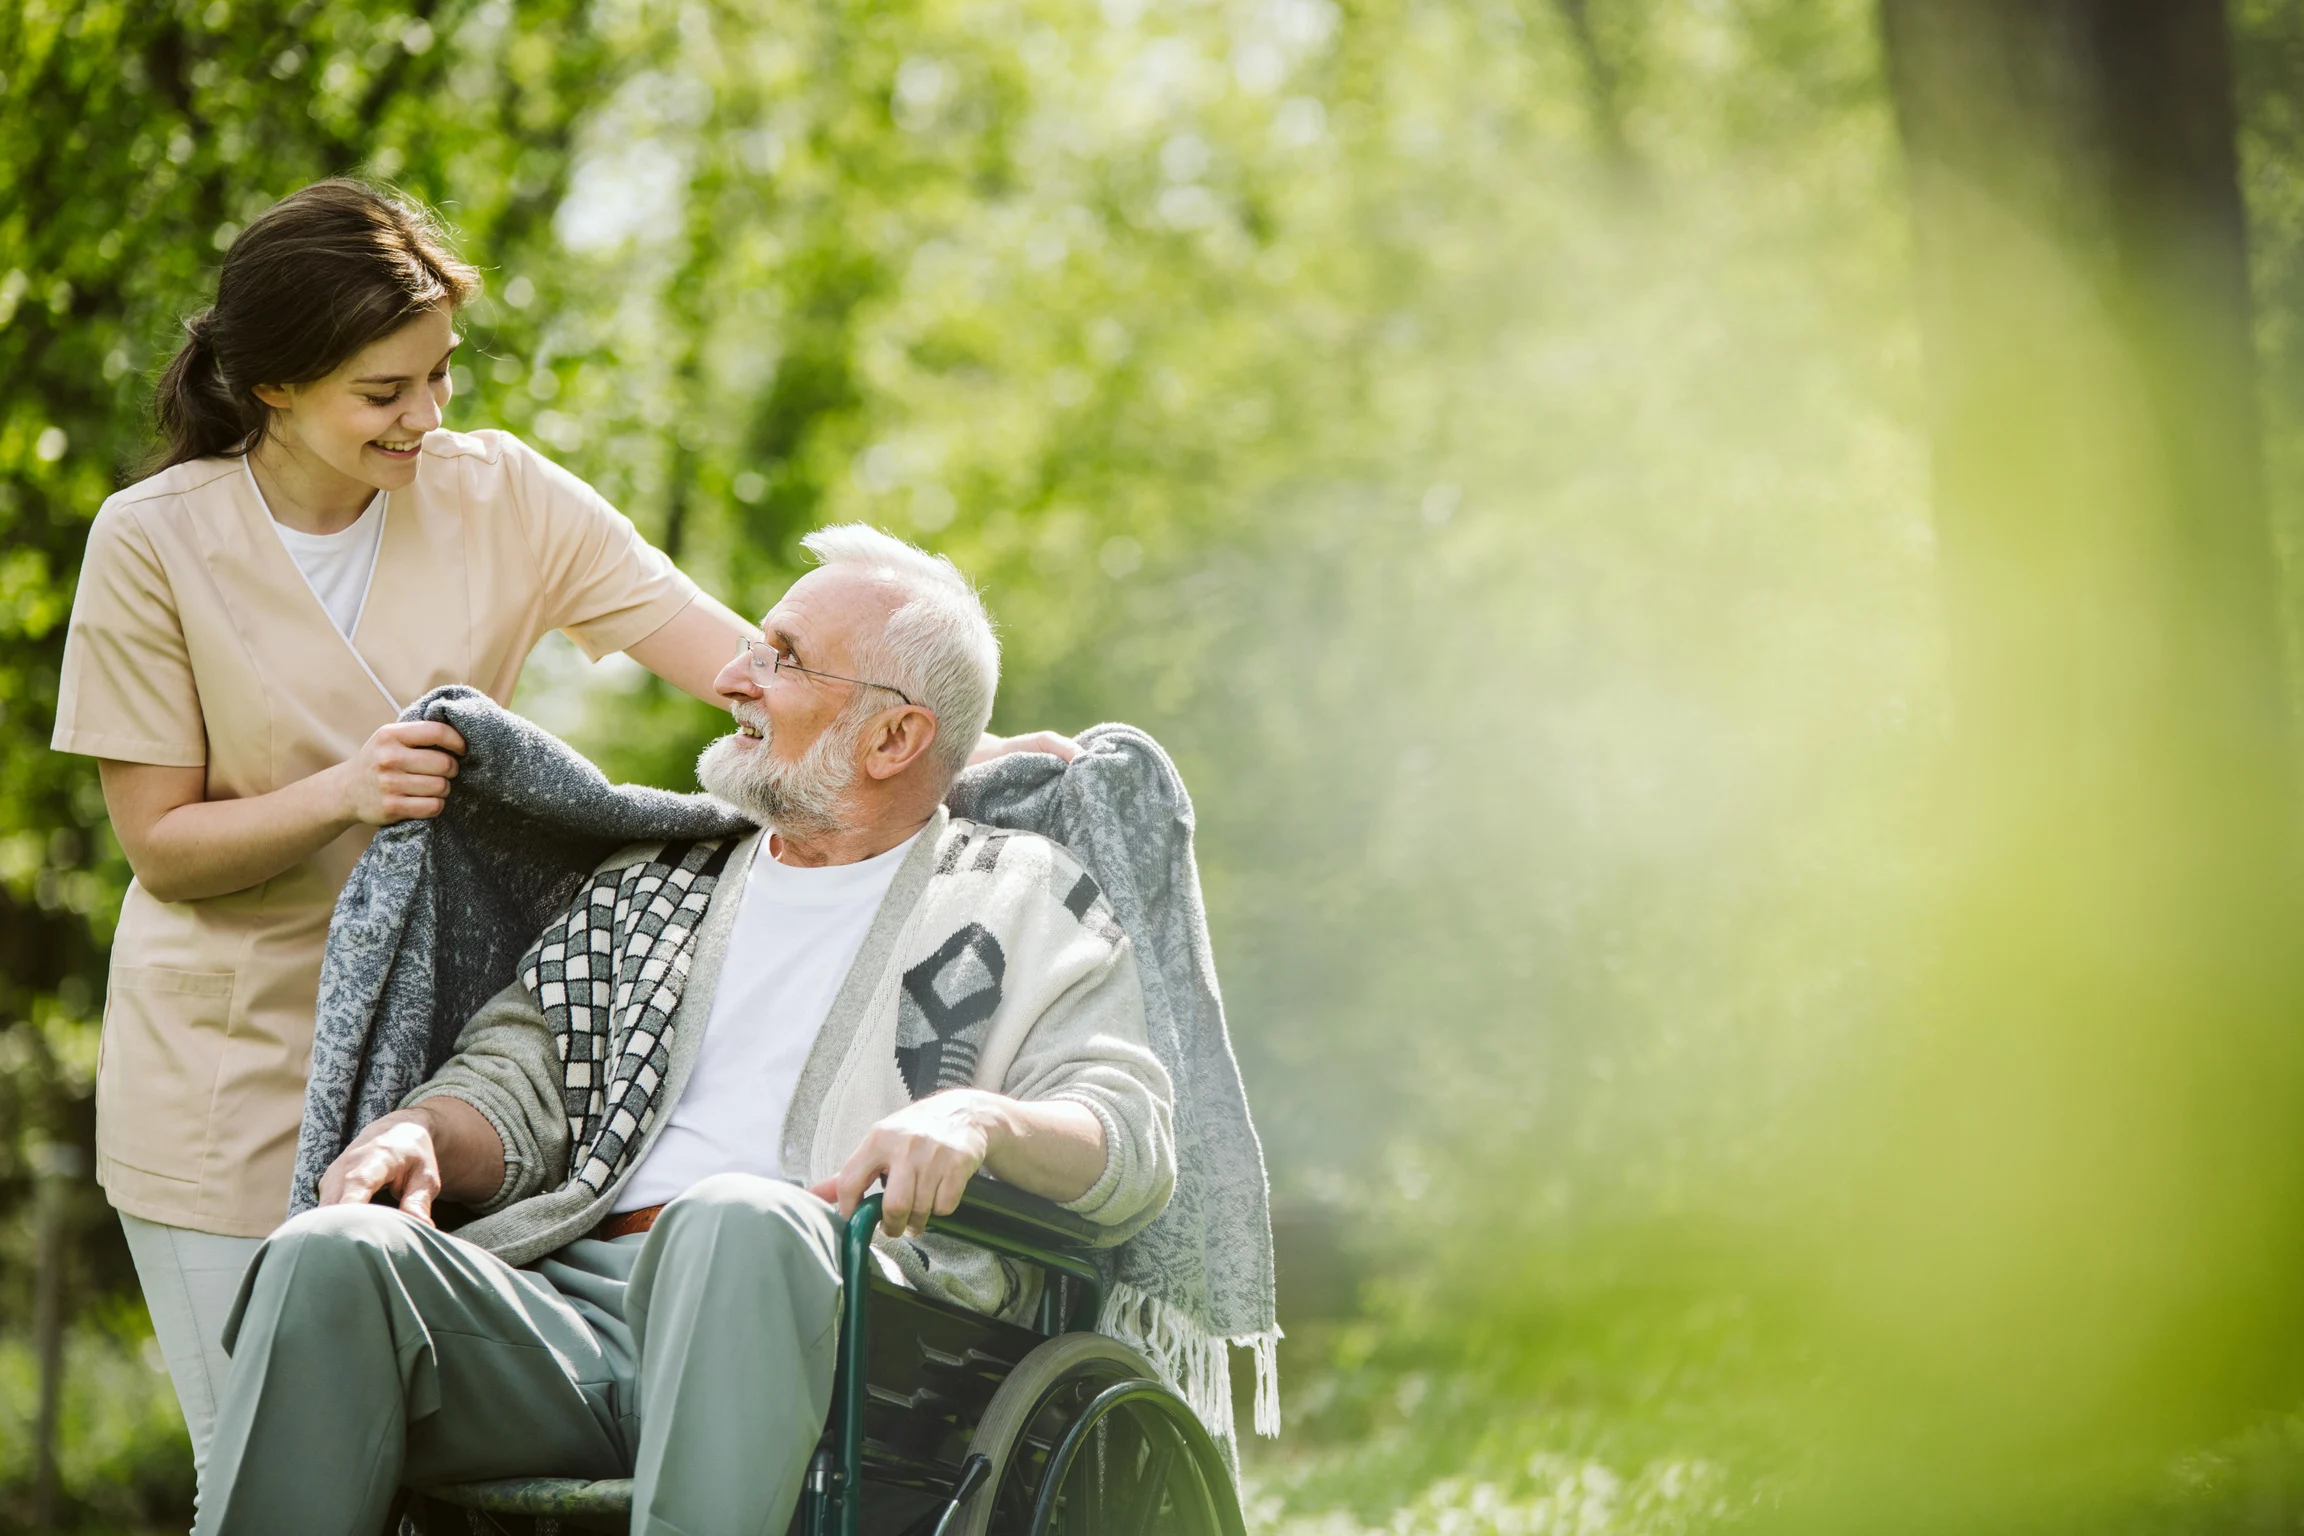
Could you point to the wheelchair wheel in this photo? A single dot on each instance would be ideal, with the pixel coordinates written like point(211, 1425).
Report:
point(1084, 1441)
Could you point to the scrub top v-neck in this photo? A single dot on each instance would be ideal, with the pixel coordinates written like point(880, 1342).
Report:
point(337, 566)
point(197, 642)
point(289, 539)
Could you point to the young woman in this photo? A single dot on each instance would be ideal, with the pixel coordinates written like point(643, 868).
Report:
point(314, 552)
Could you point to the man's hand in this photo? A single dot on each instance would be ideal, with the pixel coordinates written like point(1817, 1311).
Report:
point(395, 1153)
point(927, 1152)
point(441, 1147)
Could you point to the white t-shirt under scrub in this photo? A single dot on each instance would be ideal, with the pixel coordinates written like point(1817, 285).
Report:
point(790, 948)
point(338, 565)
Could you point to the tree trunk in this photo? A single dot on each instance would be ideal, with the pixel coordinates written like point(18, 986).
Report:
point(57, 1167)
point(2084, 290)
point(2081, 1191)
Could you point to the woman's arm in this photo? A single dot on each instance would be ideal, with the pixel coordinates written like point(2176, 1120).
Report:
point(689, 649)
point(184, 846)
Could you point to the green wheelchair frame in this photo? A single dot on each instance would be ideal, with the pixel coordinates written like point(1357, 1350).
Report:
point(1039, 1417)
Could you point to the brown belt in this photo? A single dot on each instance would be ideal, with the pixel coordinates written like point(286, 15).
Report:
point(625, 1223)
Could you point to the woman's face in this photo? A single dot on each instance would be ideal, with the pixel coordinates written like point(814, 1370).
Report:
point(366, 419)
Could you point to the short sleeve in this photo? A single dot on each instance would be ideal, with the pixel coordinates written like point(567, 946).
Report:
point(127, 690)
point(604, 585)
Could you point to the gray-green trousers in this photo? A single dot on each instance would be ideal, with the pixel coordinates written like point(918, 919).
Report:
point(371, 1350)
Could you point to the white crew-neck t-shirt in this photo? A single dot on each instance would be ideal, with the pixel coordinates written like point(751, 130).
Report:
point(338, 565)
point(789, 949)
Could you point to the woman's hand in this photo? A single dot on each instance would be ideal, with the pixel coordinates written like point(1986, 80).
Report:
point(187, 847)
point(402, 773)
point(1062, 748)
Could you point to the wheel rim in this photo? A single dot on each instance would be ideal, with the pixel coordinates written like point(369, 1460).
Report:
point(1150, 1440)
point(1131, 1461)
point(1028, 1416)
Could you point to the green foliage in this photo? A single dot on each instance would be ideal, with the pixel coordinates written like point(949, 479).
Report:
point(122, 1450)
point(138, 139)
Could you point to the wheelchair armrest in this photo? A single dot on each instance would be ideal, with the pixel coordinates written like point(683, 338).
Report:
point(1009, 1212)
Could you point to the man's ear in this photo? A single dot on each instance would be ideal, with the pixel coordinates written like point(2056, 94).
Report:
point(900, 738)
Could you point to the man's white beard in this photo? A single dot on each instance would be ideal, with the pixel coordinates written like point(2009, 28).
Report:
point(799, 799)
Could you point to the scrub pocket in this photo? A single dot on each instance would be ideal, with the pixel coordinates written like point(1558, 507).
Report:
point(156, 1069)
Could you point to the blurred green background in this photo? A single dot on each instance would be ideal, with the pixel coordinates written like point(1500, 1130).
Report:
point(1488, 442)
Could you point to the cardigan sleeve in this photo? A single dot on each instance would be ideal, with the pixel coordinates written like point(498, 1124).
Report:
point(1088, 1047)
point(506, 1067)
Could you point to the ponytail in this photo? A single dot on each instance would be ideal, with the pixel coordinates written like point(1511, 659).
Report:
point(311, 281)
point(199, 416)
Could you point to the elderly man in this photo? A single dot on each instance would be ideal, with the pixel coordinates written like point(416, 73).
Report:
point(659, 1120)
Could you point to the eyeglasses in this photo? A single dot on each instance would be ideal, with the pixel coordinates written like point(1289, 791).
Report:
point(767, 661)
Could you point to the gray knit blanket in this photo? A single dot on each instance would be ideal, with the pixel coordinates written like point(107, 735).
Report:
point(1199, 1278)
point(438, 913)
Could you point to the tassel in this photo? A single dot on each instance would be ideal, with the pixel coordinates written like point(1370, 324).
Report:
point(1194, 1363)
point(1265, 1347)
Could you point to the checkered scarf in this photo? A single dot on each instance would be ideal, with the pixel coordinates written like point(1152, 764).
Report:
point(608, 974)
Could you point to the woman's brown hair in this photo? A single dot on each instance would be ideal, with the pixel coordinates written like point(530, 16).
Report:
point(318, 276)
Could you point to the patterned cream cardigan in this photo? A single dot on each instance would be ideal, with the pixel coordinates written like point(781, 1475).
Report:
point(993, 962)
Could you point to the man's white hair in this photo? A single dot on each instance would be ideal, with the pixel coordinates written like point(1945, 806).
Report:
point(938, 645)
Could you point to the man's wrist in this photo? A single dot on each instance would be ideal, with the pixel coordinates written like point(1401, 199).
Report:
point(382, 1126)
point(989, 1113)
point(438, 1127)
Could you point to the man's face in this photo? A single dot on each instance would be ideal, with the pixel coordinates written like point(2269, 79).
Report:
point(794, 753)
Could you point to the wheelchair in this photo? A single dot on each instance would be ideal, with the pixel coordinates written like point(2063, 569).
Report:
point(945, 1422)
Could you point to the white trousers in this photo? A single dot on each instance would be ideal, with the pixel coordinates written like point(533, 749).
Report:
point(189, 1280)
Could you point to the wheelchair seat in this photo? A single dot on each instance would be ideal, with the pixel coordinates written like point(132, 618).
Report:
point(948, 1423)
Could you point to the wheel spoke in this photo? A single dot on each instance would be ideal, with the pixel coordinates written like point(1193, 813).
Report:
point(1099, 1477)
point(1208, 1524)
point(1152, 1486)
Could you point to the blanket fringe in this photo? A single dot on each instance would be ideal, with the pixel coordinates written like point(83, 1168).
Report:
point(1266, 1348)
point(1197, 1364)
